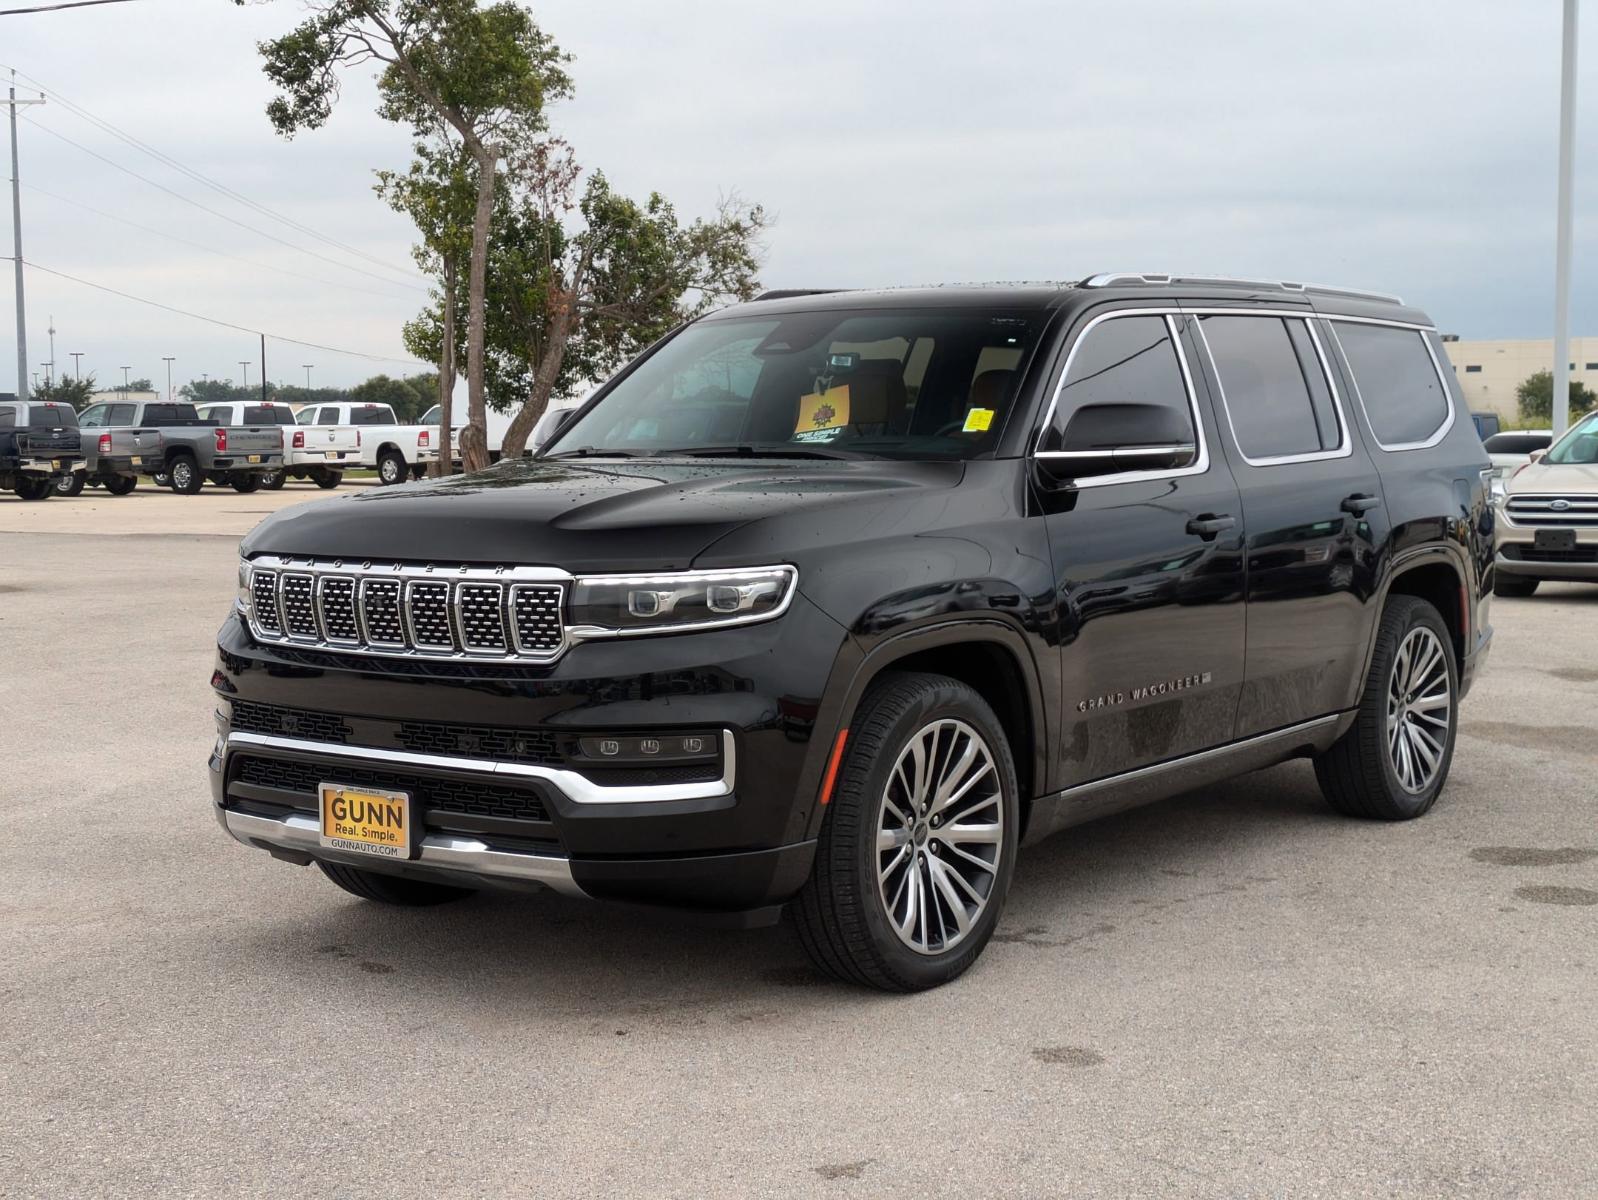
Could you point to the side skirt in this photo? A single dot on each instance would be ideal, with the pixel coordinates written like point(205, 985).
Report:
point(1145, 785)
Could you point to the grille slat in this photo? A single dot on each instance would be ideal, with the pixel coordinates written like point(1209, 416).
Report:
point(1547, 511)
point(388, 610)
point(437, 794)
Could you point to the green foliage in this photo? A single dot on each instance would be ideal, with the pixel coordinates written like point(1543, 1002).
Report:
point(139, 385)
point(1535, 395)
point(408, 403)
point(66, 390)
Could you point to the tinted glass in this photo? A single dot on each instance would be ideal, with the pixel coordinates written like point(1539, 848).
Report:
point(222, 414)
point(95, 416)
point(430, 417)
point(1263, 383)
point(267, 414)
point(52, 416)
point(1403, 397)
point(375, 414)
point(900, 383)
point(155, 414)
point(1126, 360)
point(8, 418)
point(1517, 443)
point(119, 414)
point(329, 416)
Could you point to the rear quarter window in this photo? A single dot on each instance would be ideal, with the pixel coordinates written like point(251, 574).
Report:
point(1397, 382)
point(377, 414)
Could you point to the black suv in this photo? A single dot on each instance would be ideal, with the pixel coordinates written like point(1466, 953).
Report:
point(836, 598)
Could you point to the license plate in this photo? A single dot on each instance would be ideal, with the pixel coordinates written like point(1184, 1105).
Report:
point(366, 820)
point(254, 458)
point(334, 454)
point(137, 461)
point(56, 463)
point(1554, 539)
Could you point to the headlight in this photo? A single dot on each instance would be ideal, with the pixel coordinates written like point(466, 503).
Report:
point(619, 605)
point(241, 601)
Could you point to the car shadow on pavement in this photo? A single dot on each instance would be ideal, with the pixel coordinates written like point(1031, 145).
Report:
point(602, 963)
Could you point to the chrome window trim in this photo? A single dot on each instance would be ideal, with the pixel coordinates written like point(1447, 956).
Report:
point(1200, 463)
point(572, 784)
point(1344, 449)
point(1448, 396)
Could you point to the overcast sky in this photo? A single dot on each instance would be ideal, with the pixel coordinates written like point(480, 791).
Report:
point(1404, 147)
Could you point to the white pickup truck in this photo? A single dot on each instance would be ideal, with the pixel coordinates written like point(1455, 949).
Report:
point(320, 453)
point(398, 452)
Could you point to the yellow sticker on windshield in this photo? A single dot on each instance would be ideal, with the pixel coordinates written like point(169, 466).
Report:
point(977, 420)
point(820, 412)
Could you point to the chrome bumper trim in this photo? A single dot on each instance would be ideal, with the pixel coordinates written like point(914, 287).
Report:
point(446, 851)
point(577, 788)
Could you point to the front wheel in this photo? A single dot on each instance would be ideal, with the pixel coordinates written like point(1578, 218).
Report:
point(327, 480)
point(918, 843)
point(391, 889)
point(185, 476)
point(1394, 759)
point(1513, 585)
point(245, 484)
point(391, 468)
point(73, 484)
point(273, 481)
point(120, 485)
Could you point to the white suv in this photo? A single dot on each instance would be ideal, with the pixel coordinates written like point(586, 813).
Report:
point(1548, 515)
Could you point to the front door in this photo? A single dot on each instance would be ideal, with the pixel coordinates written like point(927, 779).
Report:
point(1148, 564)
point(1312, 504)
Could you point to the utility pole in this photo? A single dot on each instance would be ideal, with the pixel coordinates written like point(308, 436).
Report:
point(1562, 240)
point(244, 373)
point(307, 367)
point(16, 242)
point(125, 382)
point(168, 361)
point(77, 365)
point(50, 376)
point(263, 368)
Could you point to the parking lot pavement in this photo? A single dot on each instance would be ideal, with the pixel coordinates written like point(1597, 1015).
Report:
point(1232, 993)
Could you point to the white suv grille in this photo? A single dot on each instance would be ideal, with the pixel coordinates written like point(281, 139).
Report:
point(490, 614)
point(1566, 512)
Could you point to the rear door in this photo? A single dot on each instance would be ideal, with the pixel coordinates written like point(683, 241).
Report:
point(1313, 506)
point(1148, 565)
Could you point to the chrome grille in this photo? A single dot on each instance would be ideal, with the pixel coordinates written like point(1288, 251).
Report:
point(1565, 512)
point(511, 614)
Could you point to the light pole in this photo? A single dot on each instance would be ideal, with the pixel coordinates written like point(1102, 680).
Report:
point(307, 367)
point(244, 375)
point(168, 360)
point(77, 366)
point(125, 382)
point(1562, 240)
point(16, 241)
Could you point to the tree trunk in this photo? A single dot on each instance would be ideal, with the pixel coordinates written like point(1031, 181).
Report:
point(560, 330)
point(446, 376)
point(474, 450)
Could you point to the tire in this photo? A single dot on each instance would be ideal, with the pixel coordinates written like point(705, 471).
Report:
point(327, 480)
point(1513, 585)
point(120, 485)
point(391, 889)
point(273, 481)
point(245, 484)
point(1364, 774)
point(185, 476)
point(73, 484)
point(162, 479)
point(34, 487)
point(419, 471)
point(857, 894)
point(391, 468)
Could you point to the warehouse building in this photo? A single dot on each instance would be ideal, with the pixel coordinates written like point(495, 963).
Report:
point(1489, 372)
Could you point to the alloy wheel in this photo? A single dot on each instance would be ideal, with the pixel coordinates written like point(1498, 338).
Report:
point(940, 834)
point(1419, 709)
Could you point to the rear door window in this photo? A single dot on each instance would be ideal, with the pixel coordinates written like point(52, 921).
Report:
point(1398, 384)
point(157, 414)
point(1275, 393)
point(1122, 360)
point(222, 414)
point(372, 414)
point(119, 414)
point(329, 416)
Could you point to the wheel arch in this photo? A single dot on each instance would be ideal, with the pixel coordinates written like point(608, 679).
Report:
point(990, 656)
point(1433, 574)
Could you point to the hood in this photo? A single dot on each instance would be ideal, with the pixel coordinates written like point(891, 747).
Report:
point(1566, 479)
point(619, 515)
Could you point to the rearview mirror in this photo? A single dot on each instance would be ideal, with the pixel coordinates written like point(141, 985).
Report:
point(1108, 439)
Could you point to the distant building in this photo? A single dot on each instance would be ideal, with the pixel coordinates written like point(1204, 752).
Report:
point(115, 394)
point(1489, 372)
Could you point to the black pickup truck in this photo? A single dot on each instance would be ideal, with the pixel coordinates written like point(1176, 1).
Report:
point(39, 446)
point(835, 600)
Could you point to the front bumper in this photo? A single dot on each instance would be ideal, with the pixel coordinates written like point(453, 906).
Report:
point(241, 462)
point(1518, 553)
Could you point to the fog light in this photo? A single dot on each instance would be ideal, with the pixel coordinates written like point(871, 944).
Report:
point(653, 750)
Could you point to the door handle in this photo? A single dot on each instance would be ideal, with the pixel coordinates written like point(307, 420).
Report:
point(1207, 525)
point(1360, 504)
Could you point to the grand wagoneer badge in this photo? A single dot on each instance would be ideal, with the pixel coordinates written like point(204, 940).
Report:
point(1166, 686)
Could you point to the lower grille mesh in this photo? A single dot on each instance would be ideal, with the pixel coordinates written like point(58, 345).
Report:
point(446, 795)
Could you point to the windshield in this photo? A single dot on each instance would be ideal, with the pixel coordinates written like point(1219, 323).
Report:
point(915, 383)
point(1579, 446)
point(430, 417)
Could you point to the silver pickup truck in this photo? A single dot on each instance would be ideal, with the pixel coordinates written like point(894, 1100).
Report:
point(319, 453)
point(178, 447)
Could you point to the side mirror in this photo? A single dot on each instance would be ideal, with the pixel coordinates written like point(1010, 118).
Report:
point(1107, 439)
point(1536, 456)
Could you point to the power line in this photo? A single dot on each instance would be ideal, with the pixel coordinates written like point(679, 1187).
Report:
point(182, 241)
point(215, 213)
point(276, 337)
point(42, 8)
point(199, 177)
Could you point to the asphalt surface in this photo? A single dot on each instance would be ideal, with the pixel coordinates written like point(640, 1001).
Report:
point(1234, 993)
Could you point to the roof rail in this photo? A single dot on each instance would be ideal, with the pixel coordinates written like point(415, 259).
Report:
point(786, 293)
point(1131, 279)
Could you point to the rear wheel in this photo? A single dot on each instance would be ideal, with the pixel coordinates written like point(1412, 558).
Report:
point(1513, 585)
point(34, 487)
point(245, 483)
point(1394, 760)
point(73, 484)
point(919, 839)
point(391, 467)
point(185, 476)
point(326, 479)
point(273, 481)
point(391, 889)
point(120, 485)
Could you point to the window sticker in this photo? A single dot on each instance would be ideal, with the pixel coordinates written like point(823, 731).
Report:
point(978, 420)
point(822, 415)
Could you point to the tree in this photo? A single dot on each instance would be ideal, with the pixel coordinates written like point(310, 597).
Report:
point(396, 393)
point(1536, 398)
point(462, 76)
point(66, 390)
point(138, 385)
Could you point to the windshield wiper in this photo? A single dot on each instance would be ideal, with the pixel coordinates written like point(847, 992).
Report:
point(593, 452)
point(746, 450)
